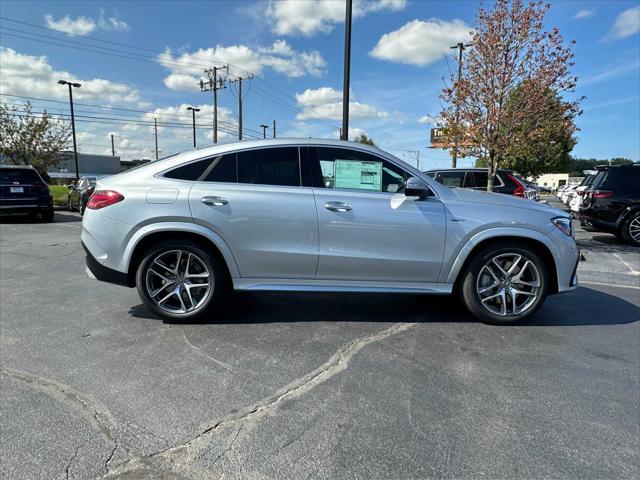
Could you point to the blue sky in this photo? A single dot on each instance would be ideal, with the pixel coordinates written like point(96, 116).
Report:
point(399, 58)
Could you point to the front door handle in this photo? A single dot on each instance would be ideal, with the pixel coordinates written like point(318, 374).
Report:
point(337, 206)
point(214, 201)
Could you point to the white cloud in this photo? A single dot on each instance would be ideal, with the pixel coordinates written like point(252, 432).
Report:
point(580, 14)
point(326, 103)
point(290, 17)
point(626, 24)
point(187, 68)
point(180, 114)
point(420, 42)
point(85, 25)
point(429, 120)
point(33, 76)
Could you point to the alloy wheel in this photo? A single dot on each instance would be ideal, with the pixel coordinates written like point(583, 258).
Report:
point(634, 229)
point(508, 284)
point(178, 281)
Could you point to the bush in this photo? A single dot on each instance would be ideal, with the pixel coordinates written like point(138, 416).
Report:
point(60, 195)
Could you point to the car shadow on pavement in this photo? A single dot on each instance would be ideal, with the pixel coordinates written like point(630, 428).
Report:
point(58, 217)
point(584, 306)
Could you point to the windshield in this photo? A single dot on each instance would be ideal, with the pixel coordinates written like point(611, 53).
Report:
point(19, 175)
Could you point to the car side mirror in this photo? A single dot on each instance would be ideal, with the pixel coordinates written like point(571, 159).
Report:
point(416, 187)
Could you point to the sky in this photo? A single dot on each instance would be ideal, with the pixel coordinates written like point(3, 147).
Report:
point(142, 60)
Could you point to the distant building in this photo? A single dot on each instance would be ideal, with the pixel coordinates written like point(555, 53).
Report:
point(90, 165)
point(553, 180)
point(127, 164)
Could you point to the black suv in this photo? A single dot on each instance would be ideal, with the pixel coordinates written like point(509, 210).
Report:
point(612, 204)
point(22, 190)
point(506, 181)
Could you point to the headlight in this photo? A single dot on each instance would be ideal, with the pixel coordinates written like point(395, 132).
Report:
point(564, 224)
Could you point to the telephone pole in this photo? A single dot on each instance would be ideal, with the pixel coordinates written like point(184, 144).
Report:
point(155, 128)
point(113, 148)
point(213, 85)
point(239, 80)
point(274, 129)
point(344, 134)
point(460, 46)
point(416, 155)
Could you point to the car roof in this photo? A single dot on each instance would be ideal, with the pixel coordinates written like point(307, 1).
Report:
point(473, 169)
point(18, 167)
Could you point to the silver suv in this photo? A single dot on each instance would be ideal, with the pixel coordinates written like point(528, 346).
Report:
point(319, 215)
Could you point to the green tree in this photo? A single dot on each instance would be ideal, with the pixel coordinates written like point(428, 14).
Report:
point(362, 138)
point(31, 139)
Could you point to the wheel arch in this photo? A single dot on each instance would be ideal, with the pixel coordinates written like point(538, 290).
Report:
point(473, 246)
point(147, 237)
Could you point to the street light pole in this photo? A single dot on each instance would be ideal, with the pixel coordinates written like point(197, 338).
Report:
point(460, 46)
point(264, 130)
point(193, 114)
point(73, 124)
point(344, 135)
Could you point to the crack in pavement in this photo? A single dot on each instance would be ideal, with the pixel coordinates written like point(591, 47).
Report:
point(201, 352)
point(68, 467)
point(179, 457)
point(99, 417)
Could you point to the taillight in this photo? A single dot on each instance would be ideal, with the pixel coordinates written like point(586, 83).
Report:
point(103, 198)
point(602, 194)
point(519, 191)
point(40, 186)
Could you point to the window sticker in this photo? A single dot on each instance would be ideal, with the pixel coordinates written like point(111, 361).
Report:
point(358, 174)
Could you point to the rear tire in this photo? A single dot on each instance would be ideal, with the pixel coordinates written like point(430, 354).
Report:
point(505, 284)
point(171, 281)
point(631, 230)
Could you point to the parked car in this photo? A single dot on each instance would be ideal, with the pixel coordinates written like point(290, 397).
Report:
point(22, 190)
point(319, 215)
point(568, 193)
point(580, 191)
point(79, 194)
point(612, 203)
point(506, 181)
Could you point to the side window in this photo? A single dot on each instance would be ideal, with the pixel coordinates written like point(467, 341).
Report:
point(191, 171)
point(223, 170)
point(468, 180)
point(451, 179)
point(270, 166)
point(480, 179)
point(343, 168)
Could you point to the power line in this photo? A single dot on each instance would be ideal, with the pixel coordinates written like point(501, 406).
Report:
point(135, 56)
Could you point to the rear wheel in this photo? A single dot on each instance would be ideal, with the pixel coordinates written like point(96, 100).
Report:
point(631, 230)
point(181, 281)
point(504, 284)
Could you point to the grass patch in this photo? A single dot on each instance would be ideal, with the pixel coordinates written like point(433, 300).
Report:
point(60, 195)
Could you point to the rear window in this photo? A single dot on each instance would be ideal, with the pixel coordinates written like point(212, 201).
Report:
point(191, 171)
point(451, 179)
point(224, 170)
point(616, 178)
point(19, 175)
point(270, 166)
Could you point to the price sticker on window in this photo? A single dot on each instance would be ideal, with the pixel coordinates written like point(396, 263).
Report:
point(359, 175)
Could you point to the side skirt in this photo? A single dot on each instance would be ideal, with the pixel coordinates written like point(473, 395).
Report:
point(302, 285)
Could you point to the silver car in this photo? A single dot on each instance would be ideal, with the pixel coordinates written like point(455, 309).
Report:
point(322, 216)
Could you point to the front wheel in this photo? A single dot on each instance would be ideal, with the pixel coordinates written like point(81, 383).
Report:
point(631, 230)
point(505, 284)
point(179, 280)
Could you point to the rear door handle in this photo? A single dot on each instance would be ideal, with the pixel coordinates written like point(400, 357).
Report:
point(214, 201)
point(337, 206)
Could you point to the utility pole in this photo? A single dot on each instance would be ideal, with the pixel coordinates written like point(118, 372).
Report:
point(274, 129)
point(155, 128)
point(239, 80)
point(73, 125)
point(344, 134)
point(113, 148)
point(213, 85)
point(193, 114)
point(264, 130)
point(416, 155)
point(460, 46)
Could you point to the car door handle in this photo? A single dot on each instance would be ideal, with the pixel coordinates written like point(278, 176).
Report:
point(214, 201)
point(337, 206)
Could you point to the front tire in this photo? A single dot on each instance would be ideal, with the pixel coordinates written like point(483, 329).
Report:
point(631, 230)
point(180, 280)
point(505, 284)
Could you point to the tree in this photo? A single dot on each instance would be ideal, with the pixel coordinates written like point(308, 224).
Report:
point(30, 139)
point(511, 50)
point(362, 138)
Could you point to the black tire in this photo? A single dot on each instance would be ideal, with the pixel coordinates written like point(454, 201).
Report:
point(69, 205)
point(47, 215)
point(469, 283)
point(631, 224)
point(215, 296)
point(81, 208)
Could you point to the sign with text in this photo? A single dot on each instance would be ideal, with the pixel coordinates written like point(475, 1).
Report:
point(357, 174)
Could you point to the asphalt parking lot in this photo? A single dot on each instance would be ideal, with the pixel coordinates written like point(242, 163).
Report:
point(311, 385)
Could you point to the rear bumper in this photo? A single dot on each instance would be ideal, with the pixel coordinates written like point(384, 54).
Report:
point(26, 208)
point(105, 274)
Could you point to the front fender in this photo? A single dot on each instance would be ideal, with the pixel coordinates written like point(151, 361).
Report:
point(194, 228)
point(459, 259)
